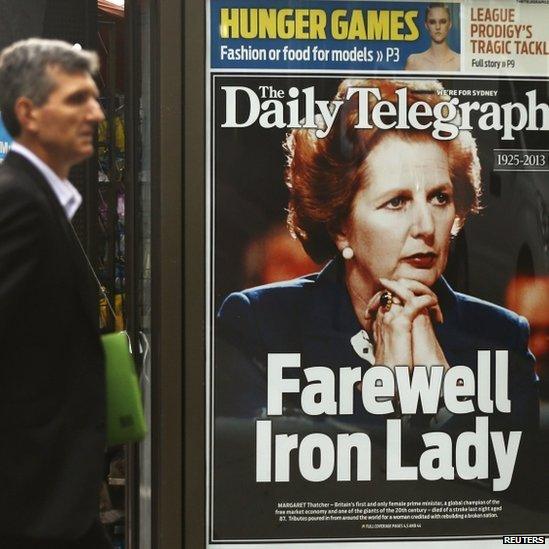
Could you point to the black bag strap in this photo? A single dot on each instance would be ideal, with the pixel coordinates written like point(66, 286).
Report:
point(92, 270)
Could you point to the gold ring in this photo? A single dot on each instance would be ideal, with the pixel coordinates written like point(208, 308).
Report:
point(386, 301)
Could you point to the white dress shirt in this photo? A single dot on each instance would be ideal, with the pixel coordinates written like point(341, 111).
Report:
point(67, 194)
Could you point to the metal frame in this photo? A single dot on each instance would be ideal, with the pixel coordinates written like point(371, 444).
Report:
point(194, 388)
point(133, 91)
point(167, 383)
point(167, 282)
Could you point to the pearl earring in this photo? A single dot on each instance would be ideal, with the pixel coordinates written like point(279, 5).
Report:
point(347, 252)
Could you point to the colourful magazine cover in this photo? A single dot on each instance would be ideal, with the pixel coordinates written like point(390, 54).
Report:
point(377, 352)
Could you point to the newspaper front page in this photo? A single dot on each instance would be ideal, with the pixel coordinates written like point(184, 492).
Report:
point(377, 293)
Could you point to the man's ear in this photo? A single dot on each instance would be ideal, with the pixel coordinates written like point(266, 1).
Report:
point(25, 113)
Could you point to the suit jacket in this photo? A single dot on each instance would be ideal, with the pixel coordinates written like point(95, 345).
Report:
point(314, 316)
point(52, 382)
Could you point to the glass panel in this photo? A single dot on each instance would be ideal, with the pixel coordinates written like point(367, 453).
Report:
point(143, 251)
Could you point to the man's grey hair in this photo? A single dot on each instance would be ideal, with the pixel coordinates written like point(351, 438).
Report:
point(24, 72)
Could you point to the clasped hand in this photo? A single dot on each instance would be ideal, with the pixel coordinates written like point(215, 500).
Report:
point(404, 334)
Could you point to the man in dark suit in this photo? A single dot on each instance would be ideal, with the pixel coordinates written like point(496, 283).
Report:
point(52, 382)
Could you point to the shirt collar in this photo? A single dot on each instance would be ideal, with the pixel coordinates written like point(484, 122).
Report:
point(67, 194)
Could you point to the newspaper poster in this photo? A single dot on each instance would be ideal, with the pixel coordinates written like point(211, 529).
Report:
point(377, 352)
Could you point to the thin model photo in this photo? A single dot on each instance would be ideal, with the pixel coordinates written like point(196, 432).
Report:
point(439, 56)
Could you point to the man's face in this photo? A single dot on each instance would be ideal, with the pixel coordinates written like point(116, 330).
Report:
point(64, 125)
